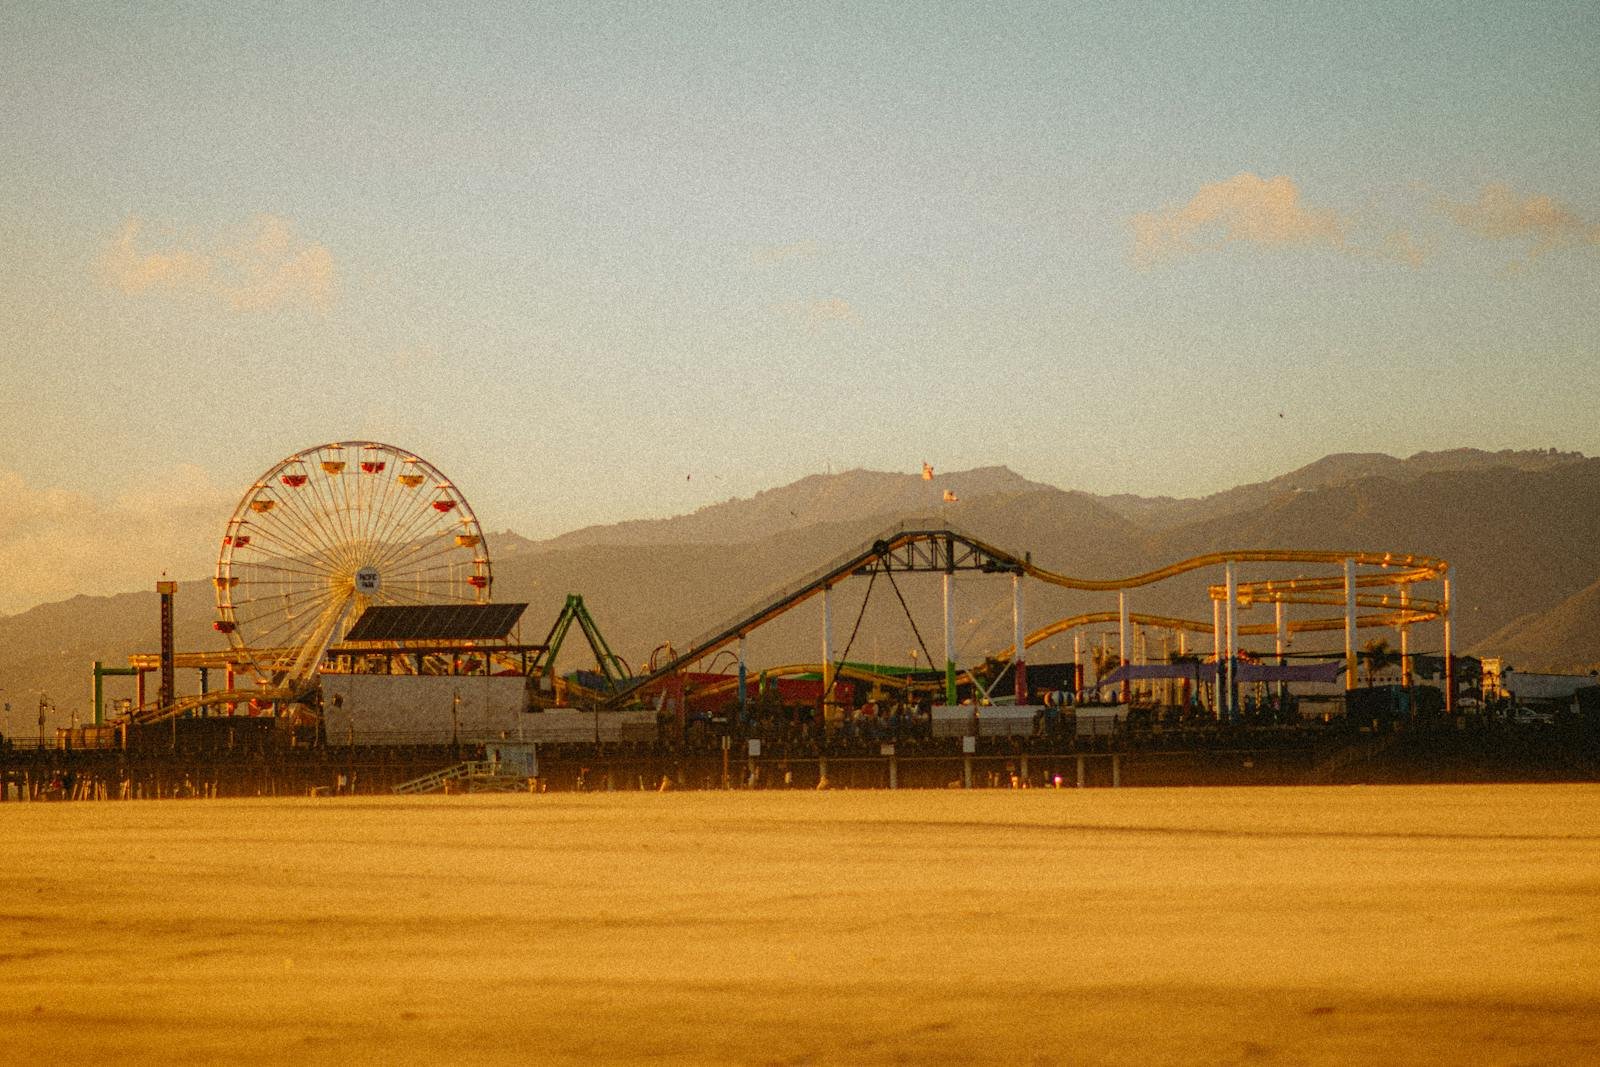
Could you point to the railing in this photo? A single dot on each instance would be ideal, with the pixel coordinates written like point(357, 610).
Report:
point(429, 782)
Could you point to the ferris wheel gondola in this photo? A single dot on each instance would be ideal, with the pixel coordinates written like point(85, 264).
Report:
point(329, 531)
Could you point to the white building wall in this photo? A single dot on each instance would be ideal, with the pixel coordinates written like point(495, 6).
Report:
point(420, 709)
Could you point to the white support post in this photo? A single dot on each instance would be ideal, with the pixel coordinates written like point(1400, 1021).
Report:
point(1019, 655)
point(827, 652)
point(1077, 665)
point(1349, 624)
point(949, 638)
point(1216, 657)
point(1231, 615)
point(1281, 626)
point(1183, 650)
point(1405, 636)
point(1124, 641)
point(1449, 659)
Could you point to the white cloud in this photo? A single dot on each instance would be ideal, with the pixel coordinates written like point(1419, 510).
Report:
point(1500, 214)
point(1269, 213)
point(1244, 209)
point(258, 267)
point(55, 543)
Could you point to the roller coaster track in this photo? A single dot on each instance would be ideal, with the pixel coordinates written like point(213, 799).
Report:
point(730, 683)
point(154, 713)
point(1169, 622)
point(911, 547)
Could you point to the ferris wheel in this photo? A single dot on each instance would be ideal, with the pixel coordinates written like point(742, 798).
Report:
point(329, 531)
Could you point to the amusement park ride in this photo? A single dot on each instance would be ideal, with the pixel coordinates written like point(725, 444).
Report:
point(333, 530)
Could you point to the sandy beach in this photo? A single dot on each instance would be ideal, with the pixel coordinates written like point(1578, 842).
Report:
point(1311, 925)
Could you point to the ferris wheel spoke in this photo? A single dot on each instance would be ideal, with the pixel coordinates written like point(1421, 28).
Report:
point(314, 521)
point(321, 633)
point(354, 489)
point(293, 540)
point(280, 565)
point(287, 518)
point(289, 605)
point(372, 491)
point(273, 603)
point(263, 588)
point(289, 634)
point(379, 503)
point(290, 612)
point(420, 508)
point(421, 551)
point(432, 593)
point(400, 526)
point(439, 571)
point(406, 528)
point(329, 486)
point(446, 596)
point(308, 525)
point(338, 507)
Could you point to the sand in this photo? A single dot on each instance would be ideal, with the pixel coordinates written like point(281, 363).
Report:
point(1295, 926)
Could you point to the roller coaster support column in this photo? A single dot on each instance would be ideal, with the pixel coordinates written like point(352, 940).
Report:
point(1124, 642)
point(1349, 624)
point(827, 653)
point(1019, 633)
point(1183, 650)
point(1216, 659)
point(1281, 624)
point(1230, 614)
point(744, 674)
point(1449, 660)
point(949, 638)
point(1077, 665)
point(1405, 638)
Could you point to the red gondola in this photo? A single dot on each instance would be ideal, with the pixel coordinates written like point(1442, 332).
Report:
point(223, 626)
point(479, 581)
point(372, 466)
point(443, 506)
point(294, 481)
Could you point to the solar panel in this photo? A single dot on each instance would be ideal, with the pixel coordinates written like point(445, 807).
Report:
point(437, 622)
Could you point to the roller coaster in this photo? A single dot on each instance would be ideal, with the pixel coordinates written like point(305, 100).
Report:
point(1379, 596)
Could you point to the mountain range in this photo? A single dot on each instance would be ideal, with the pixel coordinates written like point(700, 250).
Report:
point(1517, 527)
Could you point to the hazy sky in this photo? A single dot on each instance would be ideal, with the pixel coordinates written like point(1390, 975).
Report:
point(602, 261)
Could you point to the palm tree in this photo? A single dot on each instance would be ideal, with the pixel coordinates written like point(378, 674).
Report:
point(1378, 655)
point(1104, 660)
